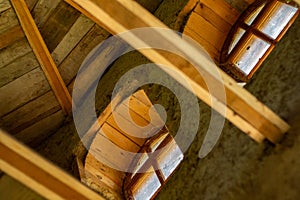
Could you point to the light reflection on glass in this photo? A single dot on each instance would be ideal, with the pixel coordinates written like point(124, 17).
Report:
point(278, 19)
point(254, 49)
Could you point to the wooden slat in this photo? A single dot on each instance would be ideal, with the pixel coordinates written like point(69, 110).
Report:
point(136, 118)
point(120, 16)
point(211, 50)
point(223, 9)
point(58, 24)
point(30, 113)
point(22, 90)
point(95, 167)
point(133, 130)
point(18, 68)
point(11, 36)
point(105, 151)
point(13, 52)
point(144, 111)
point(42, 129)
point(79, 29)
point(102, 178)
point(118, 138)
point(94, 128)
point(38, 174)
point(212, 17)
point(42, 11)
point(8, 20)
point(207, 31)
point(79, 53)
point(4, 5)
point(142, 97)
point(43, 55)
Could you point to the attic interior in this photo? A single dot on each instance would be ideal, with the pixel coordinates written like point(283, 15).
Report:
point(238, 167)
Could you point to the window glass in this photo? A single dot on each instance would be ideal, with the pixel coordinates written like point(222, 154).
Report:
point(277, 19)
point(236, 38)
point(140, 162)
point(169, 159)
point(252, 52)
point(146, 186)
point(253, 15)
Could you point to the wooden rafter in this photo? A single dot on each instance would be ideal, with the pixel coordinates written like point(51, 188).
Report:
point(40, 175)
point(42, 54)
point(243, 109)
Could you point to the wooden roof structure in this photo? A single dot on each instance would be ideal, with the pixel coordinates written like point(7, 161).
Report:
point(55, 47)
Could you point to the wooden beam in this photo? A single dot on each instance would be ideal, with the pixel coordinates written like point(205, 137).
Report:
point(42, 54)
point(246, 112)
point(32, 170)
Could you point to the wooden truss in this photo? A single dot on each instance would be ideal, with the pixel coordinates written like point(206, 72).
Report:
point(242, 108)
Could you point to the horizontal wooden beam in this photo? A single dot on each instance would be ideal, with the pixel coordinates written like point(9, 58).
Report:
point(38, 174)
point(42, 54)
point(243, 109)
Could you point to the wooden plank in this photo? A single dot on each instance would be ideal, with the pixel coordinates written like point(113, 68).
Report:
point(94, 128)
point(136, 118)
point(39, 48)
point(207, 31)
point(211, 50)
point(18, 68)
point(142, 97)
point(42, 11)
point(8, 20)
point(79, 53)
point(30, 113)
point(144, 111)
point(136, 126)
point(101, 179)
point(98, 186)
point(118, 138)
point(79, 29)
point(39, 131)
point(105, 151)
point(16, 50)
point(38, 174)
point(11, 36)
point(4, 5)
point(58, 24)
point(133, 129)
point(13, 190)
point(95, 167)
point(22, 90)
point(216, 20)
point(115, 17)
point(223, 9)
